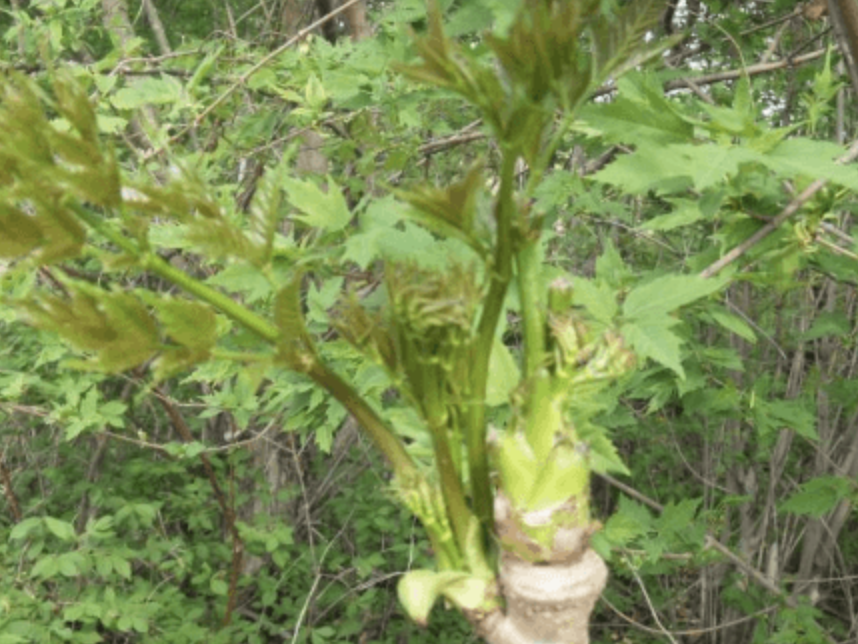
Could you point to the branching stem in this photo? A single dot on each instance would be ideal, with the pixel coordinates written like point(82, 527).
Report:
point(384, 438)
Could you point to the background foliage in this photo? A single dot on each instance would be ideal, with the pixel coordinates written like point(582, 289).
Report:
point(125, 501)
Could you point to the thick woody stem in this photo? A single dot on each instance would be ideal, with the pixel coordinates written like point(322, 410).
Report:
point(546, 604)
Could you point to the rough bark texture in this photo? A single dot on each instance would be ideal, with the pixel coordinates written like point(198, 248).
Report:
point(157, 26)
point(116, 20)
point(118, 24)
point(294, 14)
point(359, 26)
point(844, 19)
point(546, 603)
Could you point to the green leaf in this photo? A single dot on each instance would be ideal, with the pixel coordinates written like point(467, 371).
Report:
point(191, 324)
point(52, 232)
point(116, 324)
point(600, 300)
point(265, 213)
point(295, 344)
point(734, 324)
point(815, 159)
point(13, 639)
point(676, 518)
point(19, 232)
point(147, 91)
point(418, 591)
point(470, 18)
point(46, 567)
point(729, 121)
point(743, 100)
point(186, 198)
point(218, 587)
point(619, 38)
point(627, 121)
point(652, 338)
point(604, 456)
point(836, 324)
point(23, 529)
point(504, 375)
point(451, 211)
point(798, 415)
point(384, 235)
point(61, 529)
point(610, 267)
point(710, 165)
point(565, 475)
point(139, 623)
point(315, 96)
point(204, 69)
point(517, 466)
point(122, 566)
point(71, 564)
point(101, 527)
point(630, 521)
point(218, 238)
point(103, 566)
point(663, 295)
point(685, 213)
point(654, 168)
point(818, 496)
point(726, 358)
point(328, 211)
point(185, 450)
point(322, 298)
point(645, 170)
point(243, 278)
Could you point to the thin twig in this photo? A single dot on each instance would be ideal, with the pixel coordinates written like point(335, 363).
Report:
point(691, 632)
point(316, 580)
point(709, 542)
point(786, 213)
point(648, 601)
point(732, 74)
point(242, 80)
point(834, 248)
point(229, 517)
point(771, 23)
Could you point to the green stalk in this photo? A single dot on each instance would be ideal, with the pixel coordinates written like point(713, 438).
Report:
point(382, 436)
point(451, 487)
point(225, 304)
point(532, 311)
point(541, 419)
point(152, 262)
point(501, 275)
point(446, 557)
point(435, 410)
point(241, 356)
point(537, 170)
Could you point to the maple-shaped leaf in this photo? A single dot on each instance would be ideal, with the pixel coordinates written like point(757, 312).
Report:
point(319, 209)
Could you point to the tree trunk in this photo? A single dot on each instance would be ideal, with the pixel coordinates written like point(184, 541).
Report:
point(117, 22)
point(359, 26)
point(157, 26)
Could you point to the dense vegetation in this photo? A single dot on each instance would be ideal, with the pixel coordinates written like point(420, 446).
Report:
point(254, 276)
